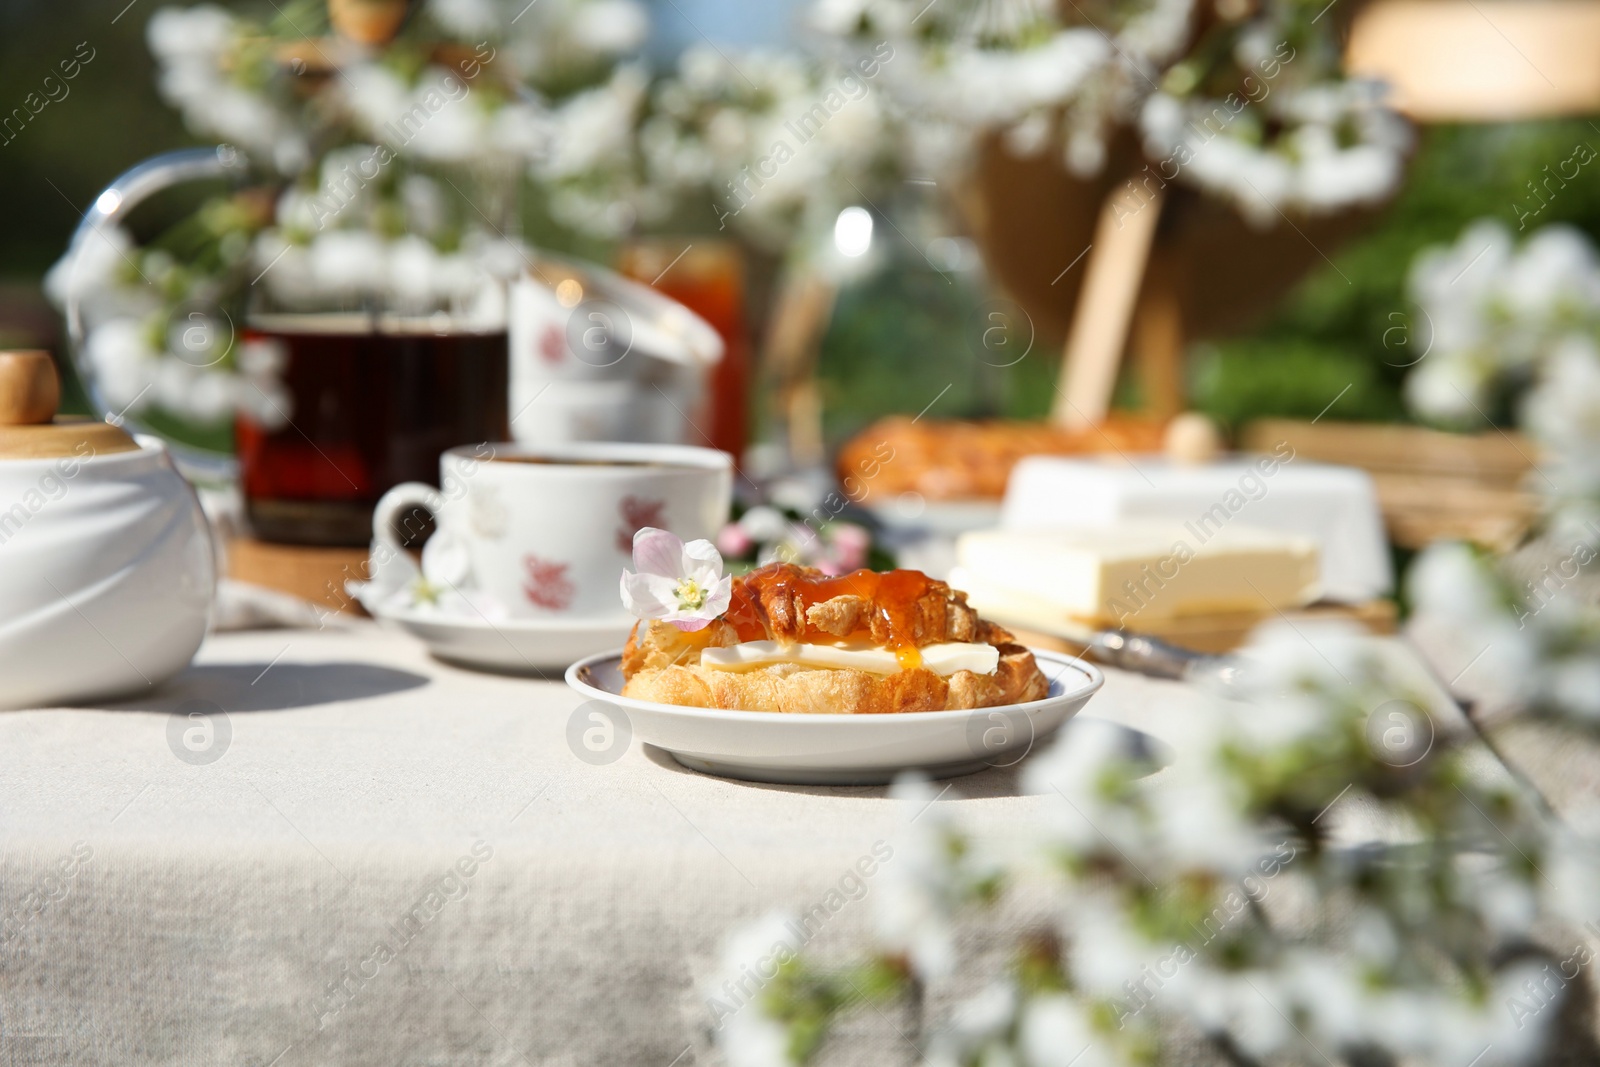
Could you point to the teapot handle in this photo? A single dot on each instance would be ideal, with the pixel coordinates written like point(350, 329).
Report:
point(129, 189)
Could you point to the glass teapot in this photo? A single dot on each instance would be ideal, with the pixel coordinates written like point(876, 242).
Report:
point(338, 393)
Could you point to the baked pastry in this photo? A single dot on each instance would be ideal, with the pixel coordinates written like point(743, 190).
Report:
point(951, 460)
point(795, 640)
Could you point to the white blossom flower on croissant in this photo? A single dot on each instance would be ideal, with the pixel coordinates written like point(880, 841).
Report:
point(675, 582)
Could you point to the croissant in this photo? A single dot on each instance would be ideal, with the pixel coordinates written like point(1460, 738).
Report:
point(917, 638)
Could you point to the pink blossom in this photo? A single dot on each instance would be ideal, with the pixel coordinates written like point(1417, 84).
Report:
point(732, 540)
point(675, 582)
point(849, 543)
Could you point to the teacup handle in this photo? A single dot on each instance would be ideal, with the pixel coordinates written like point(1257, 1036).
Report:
point(396, 502)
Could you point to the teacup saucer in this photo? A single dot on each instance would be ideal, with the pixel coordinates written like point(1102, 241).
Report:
point(471, 628)
point(519, 646)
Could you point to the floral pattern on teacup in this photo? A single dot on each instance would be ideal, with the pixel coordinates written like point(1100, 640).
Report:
point(547, 584)
point(488, 513)
point(553, 345)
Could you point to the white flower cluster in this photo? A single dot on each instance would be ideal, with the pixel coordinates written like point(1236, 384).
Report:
point(153, 337)
point(204, 74)
point(749, 959)
point(774, 143)
point(405, 277)
point(550, 41)
point(592, 173)
point(439, 118)
point(227, 81)
point(968, 67)
point(933, 874)
point(355, 241)
point(1534, 642)
point(1301, 885)
point(1495, 316)
point(1293, 135)
point(1339, 147)
point(1518, 329)
point(783, 143)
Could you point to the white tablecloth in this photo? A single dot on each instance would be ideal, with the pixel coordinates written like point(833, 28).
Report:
point(159, 910)
point(399, 862)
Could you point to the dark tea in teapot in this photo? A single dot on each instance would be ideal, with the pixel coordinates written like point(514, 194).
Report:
point(366, 403)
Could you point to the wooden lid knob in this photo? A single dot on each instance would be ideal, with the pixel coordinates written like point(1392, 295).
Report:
point(30, 390)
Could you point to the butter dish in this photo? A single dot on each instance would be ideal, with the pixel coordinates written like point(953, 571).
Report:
point(1131, 574)
point(1334, 507)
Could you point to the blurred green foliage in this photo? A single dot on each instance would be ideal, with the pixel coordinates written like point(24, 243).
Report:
point(110, 119)
point(1293, 377)
point(908, 337)
point(1360, 331)
point(899, 337)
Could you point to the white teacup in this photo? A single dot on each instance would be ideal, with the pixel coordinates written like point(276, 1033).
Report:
point(545, 532)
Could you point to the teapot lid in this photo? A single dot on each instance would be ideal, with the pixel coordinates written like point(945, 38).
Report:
point(29, 428)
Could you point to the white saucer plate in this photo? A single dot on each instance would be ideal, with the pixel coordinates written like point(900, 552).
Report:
point(515, 646)
point(764, 746)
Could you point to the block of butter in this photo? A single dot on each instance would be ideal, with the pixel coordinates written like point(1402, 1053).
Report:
point(1121, 574)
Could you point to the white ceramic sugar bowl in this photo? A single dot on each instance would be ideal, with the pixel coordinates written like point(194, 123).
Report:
point(106, 571)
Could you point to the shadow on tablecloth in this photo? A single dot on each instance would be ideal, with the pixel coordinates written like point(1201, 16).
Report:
point(999, 781)
point(245, 687)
